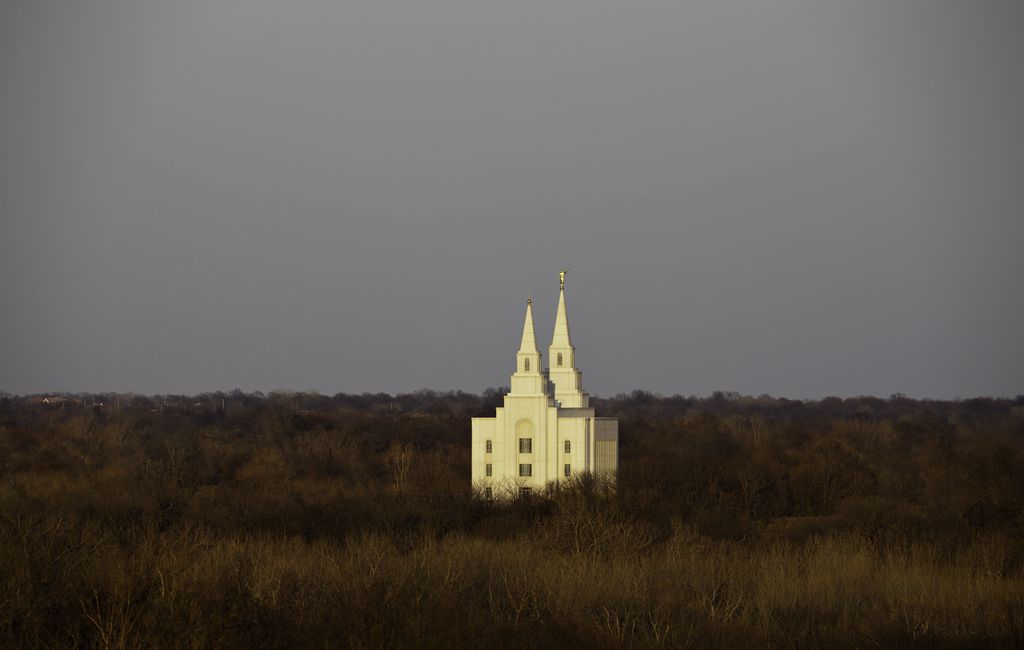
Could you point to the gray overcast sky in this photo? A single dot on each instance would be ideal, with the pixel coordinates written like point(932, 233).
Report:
point(800, 198)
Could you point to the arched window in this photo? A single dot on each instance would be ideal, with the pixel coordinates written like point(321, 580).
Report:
point(526, 365)
point(568, 446)
point(487, 447)
point(559, 358)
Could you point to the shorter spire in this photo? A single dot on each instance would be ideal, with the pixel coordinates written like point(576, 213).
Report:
point(529, 342)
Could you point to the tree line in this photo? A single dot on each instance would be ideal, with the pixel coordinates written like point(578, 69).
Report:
point(298, 520)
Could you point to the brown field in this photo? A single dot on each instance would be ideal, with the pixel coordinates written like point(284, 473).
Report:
point(282, 521)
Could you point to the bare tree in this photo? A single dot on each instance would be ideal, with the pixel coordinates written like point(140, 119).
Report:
point(399, 459)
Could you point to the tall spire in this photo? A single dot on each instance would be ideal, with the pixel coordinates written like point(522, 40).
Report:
point(561, 337)
point(562, 357)
point(529, 342)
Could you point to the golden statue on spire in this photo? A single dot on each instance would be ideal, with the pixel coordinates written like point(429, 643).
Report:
point(561, 278)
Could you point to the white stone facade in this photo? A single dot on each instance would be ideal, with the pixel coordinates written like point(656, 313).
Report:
point(546, 431)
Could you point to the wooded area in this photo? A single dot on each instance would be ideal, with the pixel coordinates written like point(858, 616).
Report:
point(302, 520)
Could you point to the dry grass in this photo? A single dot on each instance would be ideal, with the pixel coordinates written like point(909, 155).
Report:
point(64, 584)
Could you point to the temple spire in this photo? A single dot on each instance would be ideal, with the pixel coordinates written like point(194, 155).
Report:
point(561, 336)
point(528, 378)
point(564, 375)
point(529, 342)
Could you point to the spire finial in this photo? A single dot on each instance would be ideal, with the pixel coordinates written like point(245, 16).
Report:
point(561, 278)
point(529, 300)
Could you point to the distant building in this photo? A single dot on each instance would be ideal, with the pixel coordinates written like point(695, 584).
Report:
point(546, 431)
point(60, 400)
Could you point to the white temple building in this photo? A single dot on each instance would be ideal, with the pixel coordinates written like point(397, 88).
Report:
point(546, 431)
